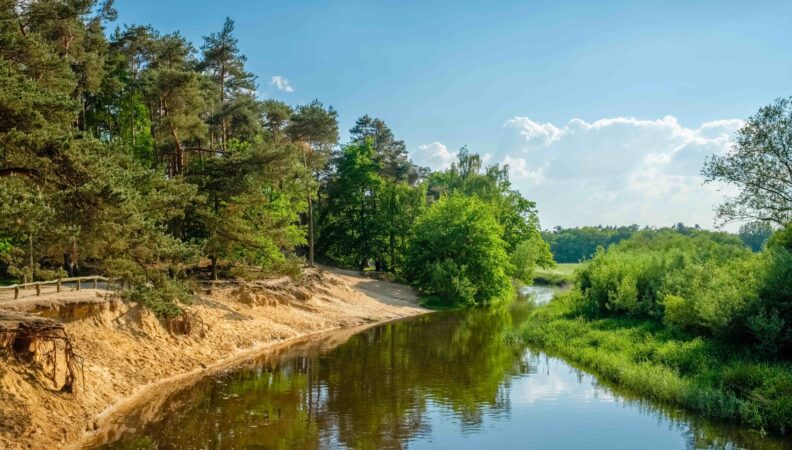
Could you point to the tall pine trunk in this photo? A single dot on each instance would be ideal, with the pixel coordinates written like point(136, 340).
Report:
point(310, 232)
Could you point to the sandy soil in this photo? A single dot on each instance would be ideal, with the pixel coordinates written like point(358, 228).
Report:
point(128, 354)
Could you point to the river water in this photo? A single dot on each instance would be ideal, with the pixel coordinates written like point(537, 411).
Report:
point(448, 380)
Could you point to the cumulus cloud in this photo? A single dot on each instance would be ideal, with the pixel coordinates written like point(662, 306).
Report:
point(434, 155)
point(281, 83)
point(616, 170)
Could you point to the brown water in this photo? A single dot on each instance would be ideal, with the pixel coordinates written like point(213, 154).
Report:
point(445, 380)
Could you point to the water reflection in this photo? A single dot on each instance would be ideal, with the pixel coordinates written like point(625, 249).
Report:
point(446, 380)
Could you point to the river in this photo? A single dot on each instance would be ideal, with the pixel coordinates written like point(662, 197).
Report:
point(447, 380)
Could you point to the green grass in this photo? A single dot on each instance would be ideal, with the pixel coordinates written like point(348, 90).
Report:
point(648, 359)
point(560, 275)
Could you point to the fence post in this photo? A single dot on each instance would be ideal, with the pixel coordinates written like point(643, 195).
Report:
point(38, 289)
point(16, 292)
point(94, 282)
point(78, 284)
point(58, 285)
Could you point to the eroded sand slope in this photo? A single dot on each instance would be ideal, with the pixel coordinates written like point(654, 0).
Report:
point(127, 351)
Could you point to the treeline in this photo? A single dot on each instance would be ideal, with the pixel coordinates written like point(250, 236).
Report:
point(573, 245)
point(140, 155)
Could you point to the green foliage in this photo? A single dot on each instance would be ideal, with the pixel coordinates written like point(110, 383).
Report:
point(530, 254)
point(458, 253)
point(248, 205)
point(350, 231)
point(708, 284)
point(755, 234)
point(663, 364)
point(467, 176)
point(162, 298)
point(572, 245)
point(760, 165)
point(390, 154)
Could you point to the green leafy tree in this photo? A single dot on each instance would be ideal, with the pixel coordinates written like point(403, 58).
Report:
point(351, 232)
point(458, 253)
point(760, 165)
point(467, 176)
point(528, 255)
point(755, 234)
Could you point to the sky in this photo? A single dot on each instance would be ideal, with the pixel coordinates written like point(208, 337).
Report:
point(604, 110)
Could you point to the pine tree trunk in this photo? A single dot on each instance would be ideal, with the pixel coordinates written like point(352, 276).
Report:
point(30, 250)
point(310, 232)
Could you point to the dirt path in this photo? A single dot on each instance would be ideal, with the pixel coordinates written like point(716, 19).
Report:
point(128, 353)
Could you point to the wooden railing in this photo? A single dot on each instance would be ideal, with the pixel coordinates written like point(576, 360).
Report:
point(93, 281)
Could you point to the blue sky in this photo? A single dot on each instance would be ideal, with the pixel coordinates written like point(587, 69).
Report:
point(456, 73)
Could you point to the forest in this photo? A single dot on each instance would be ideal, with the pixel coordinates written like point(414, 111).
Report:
point(573, 245)
point(133, 153)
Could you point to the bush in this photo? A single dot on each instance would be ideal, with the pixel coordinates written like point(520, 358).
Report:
point(163, 298)
point(707, 284)
point(457, 253)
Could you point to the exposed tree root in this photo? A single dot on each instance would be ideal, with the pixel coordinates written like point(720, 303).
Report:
point(187, 323)
point(39, 342)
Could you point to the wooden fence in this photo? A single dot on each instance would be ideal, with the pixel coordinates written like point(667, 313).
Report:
point(77, 282)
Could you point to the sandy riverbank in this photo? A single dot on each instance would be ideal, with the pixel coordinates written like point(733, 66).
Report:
point(128, 353)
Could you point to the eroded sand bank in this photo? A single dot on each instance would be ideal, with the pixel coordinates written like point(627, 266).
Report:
point(128, 353)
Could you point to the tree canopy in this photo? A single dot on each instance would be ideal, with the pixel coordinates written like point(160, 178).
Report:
point(760, 165)
point(134, 153)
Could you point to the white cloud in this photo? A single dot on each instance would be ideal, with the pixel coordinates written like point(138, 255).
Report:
point(281, 83)
point(616, 170)
point(434, 155)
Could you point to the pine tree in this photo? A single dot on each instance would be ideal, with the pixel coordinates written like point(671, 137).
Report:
point(225, 66)
point(315, 130)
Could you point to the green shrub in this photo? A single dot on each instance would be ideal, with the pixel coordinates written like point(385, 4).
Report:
point(707, 284)
point(457, 253)
point(163, 298)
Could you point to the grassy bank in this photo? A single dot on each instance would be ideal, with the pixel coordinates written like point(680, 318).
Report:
point(560, 275)
point(653, 361)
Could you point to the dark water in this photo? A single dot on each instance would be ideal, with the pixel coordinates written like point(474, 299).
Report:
point(441, 381)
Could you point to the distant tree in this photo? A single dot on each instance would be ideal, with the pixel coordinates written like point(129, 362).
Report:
point(572, 245)
point(755, 234)
point(760, 164)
